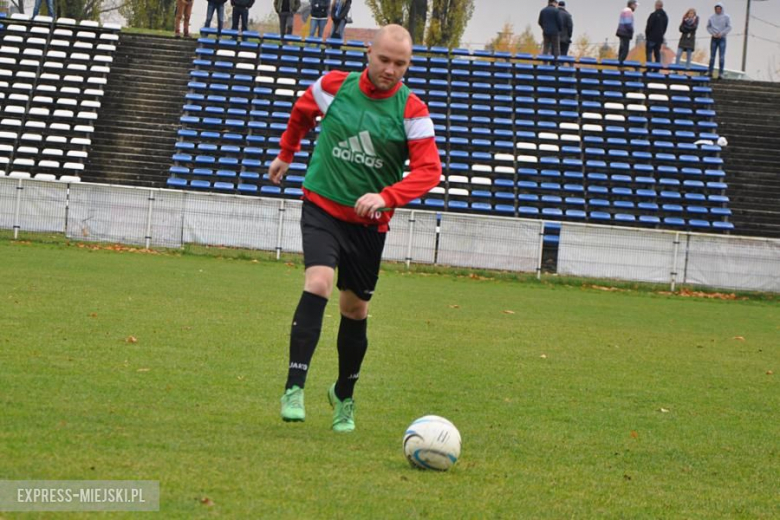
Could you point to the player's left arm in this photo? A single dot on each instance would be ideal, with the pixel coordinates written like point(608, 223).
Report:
point(424, 161)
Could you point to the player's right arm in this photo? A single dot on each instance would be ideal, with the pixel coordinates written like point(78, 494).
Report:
point(312, 104)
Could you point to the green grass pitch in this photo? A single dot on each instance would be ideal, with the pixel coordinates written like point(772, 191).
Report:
point(578, 403)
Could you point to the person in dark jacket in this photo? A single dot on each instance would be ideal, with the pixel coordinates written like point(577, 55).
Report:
point(655, 31)
point(286, 10)
point(568, 28)
point(219, 7)
point(552, 26)
point(625, 30)
point(319, 17)
point(241, 13)
point(690, 23)
point(339, 12)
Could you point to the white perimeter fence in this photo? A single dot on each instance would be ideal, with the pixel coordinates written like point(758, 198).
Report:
point(166, 218)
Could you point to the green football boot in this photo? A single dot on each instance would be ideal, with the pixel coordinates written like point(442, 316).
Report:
point(292, 405)
point(343, 411)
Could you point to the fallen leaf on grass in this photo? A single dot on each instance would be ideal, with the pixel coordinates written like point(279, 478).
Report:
point(93, 315)
point(509, 312)
point(131, 339)
point(634, 434)
point(663, 410)
point(240, 378)
point(687, 293)
point(543, 356)
point(206, 501)
point(769, 372)
point(454, 306)
point(608, 289)
point(143, 370)
point(739, 338)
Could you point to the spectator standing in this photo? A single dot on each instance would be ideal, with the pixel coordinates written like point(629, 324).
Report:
point(183, 12)
point(319, 17)
point(690, 23)
point(219, 7)
point(49, 4)
point(241, 13)
point(339, 12)
point(718, 26)
point(657, 23)
point(552, 26)
point(286, 10)
point(625, 31)
point(568, 28)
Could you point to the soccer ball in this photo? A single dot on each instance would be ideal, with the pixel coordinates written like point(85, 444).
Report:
point(432, 442)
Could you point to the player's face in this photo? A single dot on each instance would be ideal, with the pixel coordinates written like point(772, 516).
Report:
point(388, 60)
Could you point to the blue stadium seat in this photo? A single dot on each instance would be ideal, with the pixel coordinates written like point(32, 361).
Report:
point(200, 184)
point(723, 226)
point(570, 119)
point(674, 221)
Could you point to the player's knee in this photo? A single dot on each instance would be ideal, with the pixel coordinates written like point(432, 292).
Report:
point(320, 286)
point(355, 310)
point(319, 280)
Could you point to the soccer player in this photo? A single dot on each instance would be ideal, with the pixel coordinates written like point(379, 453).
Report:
point(371, 124)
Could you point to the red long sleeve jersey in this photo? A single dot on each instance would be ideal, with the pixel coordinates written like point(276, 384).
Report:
point(424, 160)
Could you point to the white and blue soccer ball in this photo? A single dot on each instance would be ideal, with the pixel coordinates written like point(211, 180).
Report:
point(432, 442)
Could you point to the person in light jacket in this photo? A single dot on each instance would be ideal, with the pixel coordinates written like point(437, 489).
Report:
point(625, 31)
point(718, 26)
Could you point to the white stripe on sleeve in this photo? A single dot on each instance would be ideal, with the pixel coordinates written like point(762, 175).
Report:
point(419, 128)
point(322, 98)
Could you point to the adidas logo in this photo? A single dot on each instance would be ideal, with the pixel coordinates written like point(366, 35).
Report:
point(358, 149)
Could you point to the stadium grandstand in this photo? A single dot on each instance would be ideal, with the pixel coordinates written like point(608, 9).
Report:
point(519, 135)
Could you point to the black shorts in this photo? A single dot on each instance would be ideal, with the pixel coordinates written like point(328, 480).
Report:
point(355, 249)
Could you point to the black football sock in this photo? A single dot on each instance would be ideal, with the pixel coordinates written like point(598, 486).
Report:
point(304, 335)
point(352, 346)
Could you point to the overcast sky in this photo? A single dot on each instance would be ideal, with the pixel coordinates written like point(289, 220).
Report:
point(599, 20)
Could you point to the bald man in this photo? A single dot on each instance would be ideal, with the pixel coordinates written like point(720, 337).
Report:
point(371, 124)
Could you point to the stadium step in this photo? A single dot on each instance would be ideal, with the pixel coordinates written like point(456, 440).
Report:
point(747, 118)
point(137, 126)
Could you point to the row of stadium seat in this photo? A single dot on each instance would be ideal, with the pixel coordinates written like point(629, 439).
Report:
point(230, 39)
point(52, 80)
point(550, 138)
